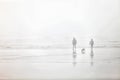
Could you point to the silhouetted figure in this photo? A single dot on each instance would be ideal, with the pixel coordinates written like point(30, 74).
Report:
point(91, 44)
point(74, 42)
point(83, 50)
point(91, 54)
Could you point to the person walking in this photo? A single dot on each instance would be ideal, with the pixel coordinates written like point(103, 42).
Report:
point(74, 43)
point(91, 44)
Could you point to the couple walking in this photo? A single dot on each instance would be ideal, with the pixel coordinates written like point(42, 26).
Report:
point(74, 43)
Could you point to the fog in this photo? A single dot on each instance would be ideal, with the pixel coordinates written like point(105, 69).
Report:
point(36, 39)
point(59, 20)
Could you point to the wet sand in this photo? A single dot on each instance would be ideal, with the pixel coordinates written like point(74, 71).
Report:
point(60, 64)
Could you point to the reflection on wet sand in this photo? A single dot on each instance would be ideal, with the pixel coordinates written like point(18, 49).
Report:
point(74, 55)
point(92, 56)
point(74, 58)
point(56, 64)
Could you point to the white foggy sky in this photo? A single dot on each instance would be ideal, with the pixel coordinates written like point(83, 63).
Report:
point(58, 19)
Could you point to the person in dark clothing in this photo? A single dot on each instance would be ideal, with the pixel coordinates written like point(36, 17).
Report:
point(91, 44)
point(74, 42)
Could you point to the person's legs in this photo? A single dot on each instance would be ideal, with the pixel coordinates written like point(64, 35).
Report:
point(91, 46)
point(73, 48)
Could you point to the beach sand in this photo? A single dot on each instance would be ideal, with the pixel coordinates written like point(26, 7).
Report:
point(59, 64)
